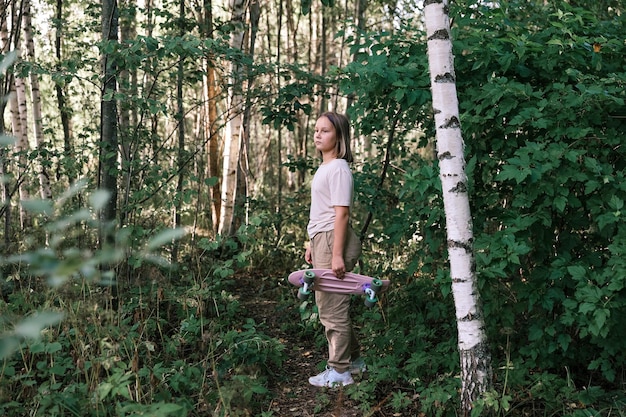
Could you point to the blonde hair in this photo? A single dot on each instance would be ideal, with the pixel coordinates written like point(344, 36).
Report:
point(342, 132)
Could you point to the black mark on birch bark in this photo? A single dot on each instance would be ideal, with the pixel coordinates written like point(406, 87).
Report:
point(466, 246)
point(445, 78)
point(445, 155)
point(441, 34)
point(460, 187)
point(451, 123)
point(470, 317)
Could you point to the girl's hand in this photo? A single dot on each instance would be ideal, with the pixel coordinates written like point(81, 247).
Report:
point(307, 256)
point(338, 266)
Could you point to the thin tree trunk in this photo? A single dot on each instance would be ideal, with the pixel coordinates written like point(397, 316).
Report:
point(4, 92)
point(108, 171)
point(323, 56)
point(44, 178)
point(279, 144)
point(128, 118)
point(234, 131)
point(16, 126)
point(244, 163)
point(181, 137)
point(19, 121)
point(109, 133)
point(64, 111)
point(212, 128)
point(472, 341)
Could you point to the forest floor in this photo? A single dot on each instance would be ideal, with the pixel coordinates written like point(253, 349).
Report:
point(291, 393)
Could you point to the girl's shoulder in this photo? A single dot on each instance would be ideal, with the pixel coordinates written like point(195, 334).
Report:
point(339, 163)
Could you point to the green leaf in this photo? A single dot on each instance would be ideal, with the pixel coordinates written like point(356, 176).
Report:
point(585, 308)
point(99, 198)
point(7, 61)
point(7, 141)
point(616, 203)
point(45, 207)
point(31, 327)
point(165, 237)
point(577, 272)
point(53, 347)
point(560, 202)
point(168, 408)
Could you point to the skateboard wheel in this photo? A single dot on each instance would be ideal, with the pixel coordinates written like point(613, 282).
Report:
point(309, 277)
point(370, 302)
point(376, 284)
point(303, 295)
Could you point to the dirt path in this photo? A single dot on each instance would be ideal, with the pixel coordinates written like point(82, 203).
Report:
point(291, 392)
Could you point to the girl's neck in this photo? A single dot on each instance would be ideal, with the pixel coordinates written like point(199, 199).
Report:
point(328, 157)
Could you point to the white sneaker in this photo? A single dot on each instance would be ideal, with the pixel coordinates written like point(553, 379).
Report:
point(330, 378)
point(358, 366)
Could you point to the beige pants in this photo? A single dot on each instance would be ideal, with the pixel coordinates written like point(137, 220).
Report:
point(334, 309)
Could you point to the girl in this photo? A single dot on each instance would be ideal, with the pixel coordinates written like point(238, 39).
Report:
point(334, 245)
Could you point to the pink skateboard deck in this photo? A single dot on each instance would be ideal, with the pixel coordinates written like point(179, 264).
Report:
point(325, 280)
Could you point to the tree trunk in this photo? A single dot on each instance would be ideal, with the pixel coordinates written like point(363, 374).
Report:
point(244, 163)
point(211, 92)
point(107, 175)
point(64, 111)
point(109, 133)
point(180, 117)
point(128, 116)
point(472, 341)
point(44, 178)
point(19, 121)
point(234, 131)
point(5, 82)
point(279, 143)
point(21, 141)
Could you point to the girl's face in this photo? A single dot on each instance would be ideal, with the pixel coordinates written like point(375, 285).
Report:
point(325, 137)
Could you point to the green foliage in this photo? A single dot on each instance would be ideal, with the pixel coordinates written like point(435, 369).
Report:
point(542, 114)
point(542, 122)
point(166, 350)
point(541, 91)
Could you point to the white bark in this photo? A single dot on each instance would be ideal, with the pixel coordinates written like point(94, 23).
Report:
point(19, 122)
point(44, 180)
point(472, 343)
point(233, 135)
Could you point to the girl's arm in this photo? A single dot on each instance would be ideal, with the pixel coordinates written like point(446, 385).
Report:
point(342, 216)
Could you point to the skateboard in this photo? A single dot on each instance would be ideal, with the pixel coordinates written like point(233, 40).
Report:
point(310, 280)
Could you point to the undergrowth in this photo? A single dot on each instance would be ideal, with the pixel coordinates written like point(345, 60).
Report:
point(186, 347)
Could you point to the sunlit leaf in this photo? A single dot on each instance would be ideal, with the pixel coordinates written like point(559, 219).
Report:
point(98, 199)
point(165, 237)
point(31, 327)
point(38, 206)
point(8, 345)
point(6, 140)
point(7, 61)
point(74, 189)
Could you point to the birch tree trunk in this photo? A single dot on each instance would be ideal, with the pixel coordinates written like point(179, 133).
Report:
point(5, 86)
point(234, 131)
point(19, 122)
point(44, 179)
point(21, 138)
point(472, 342)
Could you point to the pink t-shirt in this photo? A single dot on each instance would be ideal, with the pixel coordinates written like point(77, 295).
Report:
point(331, 186)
